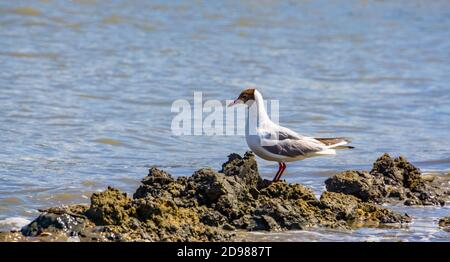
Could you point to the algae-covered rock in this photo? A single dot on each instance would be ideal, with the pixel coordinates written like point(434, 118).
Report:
point(245, 168)
point(354, 210)
point(290, 206)
point(155, 183)
point(357, 183)
point(210, 205)
point(110, 207)
point(342, 205)
point(389, 179)
point(169, 222)
point(229, 194)
point(444, 223)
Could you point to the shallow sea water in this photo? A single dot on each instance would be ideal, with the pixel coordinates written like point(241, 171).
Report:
point(86, 89)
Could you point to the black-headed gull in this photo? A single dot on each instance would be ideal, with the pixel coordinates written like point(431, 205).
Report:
point(276, 143)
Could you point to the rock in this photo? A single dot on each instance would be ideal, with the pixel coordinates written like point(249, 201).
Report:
point(354, 211)
point(390, 179)
point(229, 227)
point(213, 218)
point(157, 177)
point(291, 206)
point(342, 205)
point(173, 223)
point(154, 184)
point(357, 183)
point(210, 185)
point(246, 168)
point(227, 194)
point(370, 213)
point(110, 207)
point(210, 205)
point(56, 220)
point(285, 191)
point(444, 223)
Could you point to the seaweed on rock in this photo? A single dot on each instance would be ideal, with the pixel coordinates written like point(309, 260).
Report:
point(391, 179)
point(210, 205)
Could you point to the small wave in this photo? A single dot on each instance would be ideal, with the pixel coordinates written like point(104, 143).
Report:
point(13, 223)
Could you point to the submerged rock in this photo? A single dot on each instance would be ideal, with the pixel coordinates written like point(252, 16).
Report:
point(209, 205)
point(389, 179)
point(444, 223)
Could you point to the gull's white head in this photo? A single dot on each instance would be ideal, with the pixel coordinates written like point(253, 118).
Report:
point(247, 97)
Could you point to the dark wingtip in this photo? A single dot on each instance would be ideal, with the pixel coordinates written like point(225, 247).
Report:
point(343, 147)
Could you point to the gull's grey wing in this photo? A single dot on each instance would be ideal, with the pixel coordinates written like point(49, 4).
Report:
point(332, 140)
point(282, 134)
point(294, 147)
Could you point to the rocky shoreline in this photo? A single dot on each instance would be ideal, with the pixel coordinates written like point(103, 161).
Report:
point(213, 205)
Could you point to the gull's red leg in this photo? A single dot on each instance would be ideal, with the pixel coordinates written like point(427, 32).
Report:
point(283, 167)
point(278, 172)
